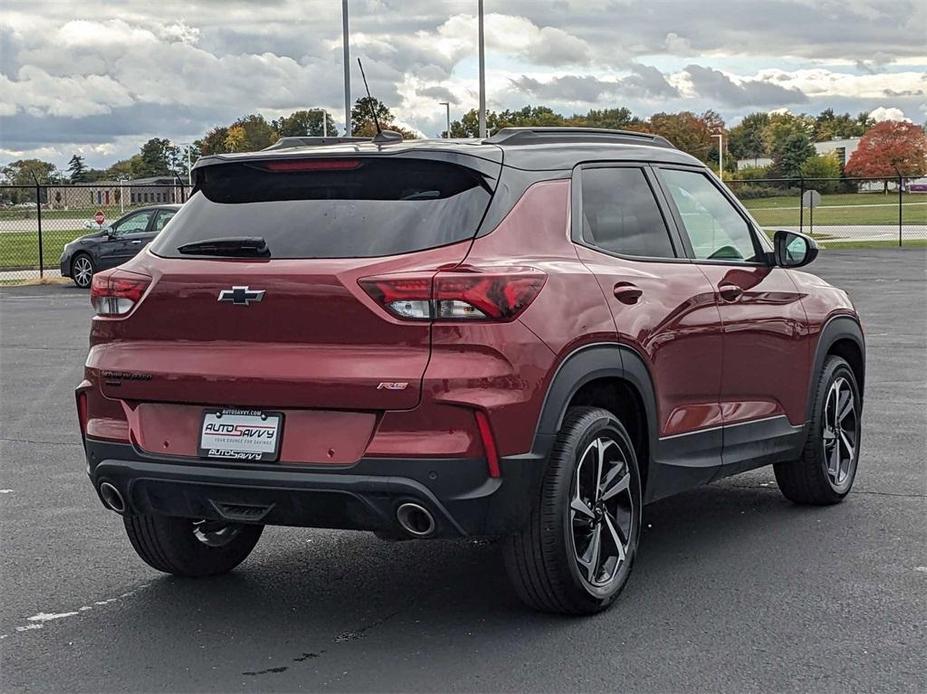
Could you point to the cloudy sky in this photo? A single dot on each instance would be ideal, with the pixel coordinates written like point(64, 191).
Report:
point(102, 77)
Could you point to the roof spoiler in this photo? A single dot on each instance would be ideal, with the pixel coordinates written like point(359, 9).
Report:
point(543, 136)
point(300, 141)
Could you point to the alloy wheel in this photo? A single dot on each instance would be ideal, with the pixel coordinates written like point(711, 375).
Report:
point(215, 533)
point(840, 432)
point(83, 271)
point(601, 511)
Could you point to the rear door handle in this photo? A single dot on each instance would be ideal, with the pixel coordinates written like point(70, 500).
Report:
point(627, 293)
point(730, 292)
point(137, 241)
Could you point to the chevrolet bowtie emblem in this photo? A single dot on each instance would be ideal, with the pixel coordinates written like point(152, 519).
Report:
point(241, 296)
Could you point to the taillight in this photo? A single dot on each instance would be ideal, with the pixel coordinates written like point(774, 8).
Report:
point(463, 294)
point(115, 292)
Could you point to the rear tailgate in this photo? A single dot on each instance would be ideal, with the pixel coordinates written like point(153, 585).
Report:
point(315, 339)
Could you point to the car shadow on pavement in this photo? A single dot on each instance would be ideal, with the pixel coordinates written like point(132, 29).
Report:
point(306, 593)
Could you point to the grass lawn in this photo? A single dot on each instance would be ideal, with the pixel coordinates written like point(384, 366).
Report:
point(841, 209)
point(111, 212)
point(20, 250)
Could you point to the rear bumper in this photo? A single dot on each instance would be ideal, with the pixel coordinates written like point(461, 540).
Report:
point(461, 496)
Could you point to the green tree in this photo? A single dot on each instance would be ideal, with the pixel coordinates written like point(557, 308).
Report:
point(362, 122)
point(823, 166)
point(620, 118)
point(781, 127)
point(305, 123)
point(791, 155)
point(213, 142)
point(155, 159)
point(250, 134)
point(832, 126)
point(469, 126)
point(25, 172)
point(77, 170)
point(745, 140)
point(687, 131)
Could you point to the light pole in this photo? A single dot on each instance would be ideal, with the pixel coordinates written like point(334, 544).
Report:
point(324, 120)
point(447, 105)
point(482, 52)
point(720, 137)
point(347, 68)
point(188, 146)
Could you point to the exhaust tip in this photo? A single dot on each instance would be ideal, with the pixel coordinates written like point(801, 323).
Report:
point(112, 497)
point(415, 519)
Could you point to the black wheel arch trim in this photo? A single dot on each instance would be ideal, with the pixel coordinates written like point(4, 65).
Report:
point(836, 328)
point(583, 365)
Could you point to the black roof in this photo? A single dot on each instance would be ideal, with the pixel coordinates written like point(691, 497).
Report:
point(524, 148)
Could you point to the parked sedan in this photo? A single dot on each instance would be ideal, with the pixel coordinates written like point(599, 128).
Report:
point(114, 244)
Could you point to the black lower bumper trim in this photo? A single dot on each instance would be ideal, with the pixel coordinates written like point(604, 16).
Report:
point(458, 492)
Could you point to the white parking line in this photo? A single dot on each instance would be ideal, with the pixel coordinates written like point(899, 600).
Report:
point(38, 621)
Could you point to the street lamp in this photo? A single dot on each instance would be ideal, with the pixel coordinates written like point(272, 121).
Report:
point(482, 53)
point(347, 68)
point(720, 137)
point(324, 120)
point(447, 105)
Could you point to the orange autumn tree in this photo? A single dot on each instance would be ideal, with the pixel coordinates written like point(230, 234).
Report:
point(889, 150)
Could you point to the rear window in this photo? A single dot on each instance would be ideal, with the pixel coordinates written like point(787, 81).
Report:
point(348, 208)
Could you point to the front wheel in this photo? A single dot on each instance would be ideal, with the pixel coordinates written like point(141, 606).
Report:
point(576, 551)
point(82, 270)
point(191, 548)
point(826, 469)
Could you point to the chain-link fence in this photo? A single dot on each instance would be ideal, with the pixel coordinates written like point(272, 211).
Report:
point(36, 222)
point(840, 211)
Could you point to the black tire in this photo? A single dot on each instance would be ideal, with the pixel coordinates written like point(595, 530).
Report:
point(542, 560)
point(80, 263)
point(171, 545)
point(812, 479)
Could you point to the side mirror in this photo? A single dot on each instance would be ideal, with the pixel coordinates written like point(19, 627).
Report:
point(794, 249)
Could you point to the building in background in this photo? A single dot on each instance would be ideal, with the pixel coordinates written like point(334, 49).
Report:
point(128, 193)
point(844, 149)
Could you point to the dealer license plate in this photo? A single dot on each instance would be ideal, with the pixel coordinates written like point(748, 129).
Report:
point(241, 435)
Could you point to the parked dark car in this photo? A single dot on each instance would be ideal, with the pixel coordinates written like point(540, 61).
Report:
point(113, 244)
point(527, 337)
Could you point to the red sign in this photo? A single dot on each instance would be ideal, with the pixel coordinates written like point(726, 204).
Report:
point(99, 218)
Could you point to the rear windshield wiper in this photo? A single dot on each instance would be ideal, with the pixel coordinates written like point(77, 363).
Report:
point(229, 246)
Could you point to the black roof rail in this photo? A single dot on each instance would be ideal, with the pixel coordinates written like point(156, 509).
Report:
point(307, 141)
point(544, 136)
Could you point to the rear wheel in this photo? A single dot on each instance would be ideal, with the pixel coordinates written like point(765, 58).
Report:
point(82, 270)
point(192, 548)
point(576, 552)
point(826, 469)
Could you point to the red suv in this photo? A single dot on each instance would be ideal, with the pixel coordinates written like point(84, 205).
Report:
point(527, 337)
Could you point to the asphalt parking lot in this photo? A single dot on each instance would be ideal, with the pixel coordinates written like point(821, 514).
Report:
point(735, 589)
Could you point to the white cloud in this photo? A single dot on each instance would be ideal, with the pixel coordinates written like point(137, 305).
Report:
point(131, 70)
point(882, 113)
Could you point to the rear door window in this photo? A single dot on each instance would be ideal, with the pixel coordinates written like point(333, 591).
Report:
point(332, 208)
point(621, 215)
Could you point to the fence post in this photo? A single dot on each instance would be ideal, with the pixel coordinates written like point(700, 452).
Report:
point(38, 218)
point(900, 208)
point(801, 206)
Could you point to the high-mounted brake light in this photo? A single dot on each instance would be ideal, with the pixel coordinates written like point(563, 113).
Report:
point(115, 292)
point(294, 165)
point(464, 294)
